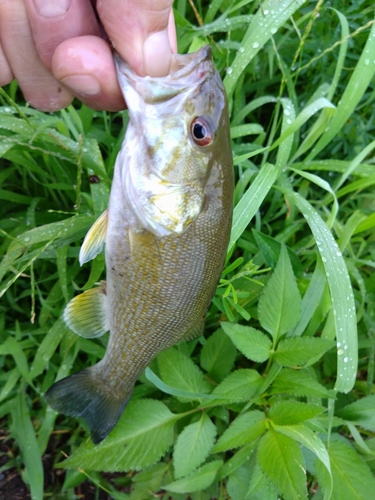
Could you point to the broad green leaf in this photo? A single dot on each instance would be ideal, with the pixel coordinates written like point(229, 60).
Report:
point(260, 30)
point(300, 350)
point(341, 295)
point(24, 433)
point(218, 355)
point(250, 202)
point(193, 446)
point(282, 462)
point(238, 483)
point(181, 372)
point(252, 343)
point(240, 385)
point(242, 456)
point(308, 438)
point(260, 488)
point(141, 437)
point(289, 412)
point(279, 305)
point(246, 427)
point(299, 383)
point(352, 478)
point(197, 480)
point(361, 412)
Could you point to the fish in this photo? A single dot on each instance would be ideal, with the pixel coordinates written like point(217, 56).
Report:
point(165, 233)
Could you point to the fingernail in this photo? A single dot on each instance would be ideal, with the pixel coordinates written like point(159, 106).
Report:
point(52, 8)
point(84, 85)
point(157, 54)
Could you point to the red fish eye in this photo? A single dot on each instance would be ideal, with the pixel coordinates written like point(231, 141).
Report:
point(201, 132)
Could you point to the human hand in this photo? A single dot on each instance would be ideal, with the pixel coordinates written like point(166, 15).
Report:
point(57, 52)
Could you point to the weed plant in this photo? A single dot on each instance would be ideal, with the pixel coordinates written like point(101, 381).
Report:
point(277, 400)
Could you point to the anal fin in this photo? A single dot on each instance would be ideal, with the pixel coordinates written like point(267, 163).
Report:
point(86, 314)
point(94, 240)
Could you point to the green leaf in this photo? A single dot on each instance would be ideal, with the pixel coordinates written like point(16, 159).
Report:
point(260, 488)
point(260, 30)
point(245, 428)
point(24, 432)
point(361, 412)
point(179, 371)
point(289, 412)
point(238, 483)
point(298, 383)
point(300, 350)
point(341, 295)
point(282, 462)
point(197, 480)
point(218, 355)
point(193, 446)
point(352, 478)
point(280, 303)
point(250, 202)
point(254, 344)
point(240, 385)
point(141, 437)
point(307, 438)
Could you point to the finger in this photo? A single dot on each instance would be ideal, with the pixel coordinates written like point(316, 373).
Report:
point(39, 87)
point(53, 21)
point(139, 31)
point(85, 66)
point(6, 75)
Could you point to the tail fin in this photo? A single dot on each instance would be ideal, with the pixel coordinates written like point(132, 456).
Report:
point(79, 396)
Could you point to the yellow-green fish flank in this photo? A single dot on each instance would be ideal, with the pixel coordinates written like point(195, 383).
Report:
point(166, 233)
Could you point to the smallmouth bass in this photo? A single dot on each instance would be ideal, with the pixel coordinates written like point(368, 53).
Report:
point(166, 233)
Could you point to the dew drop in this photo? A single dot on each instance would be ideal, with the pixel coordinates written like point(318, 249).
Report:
point(255, 45)
point(229, 71)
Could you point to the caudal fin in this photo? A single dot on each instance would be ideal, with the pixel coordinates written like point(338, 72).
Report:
point(79, 396)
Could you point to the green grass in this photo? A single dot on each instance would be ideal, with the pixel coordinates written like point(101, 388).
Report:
point(279, 397)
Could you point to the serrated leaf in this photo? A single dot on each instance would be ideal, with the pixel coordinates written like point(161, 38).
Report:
point(361, 412)
point(197, 480)
point(238, 483)
point(281, 460)
point(240, 385)
point(179, 371)
point(242, 456)
point(254, 344)
point(352, 478)
point(243, 429)
point(193, 446)
point(307, 438)
point(280, 303)
point(260, 487)
point(142, 435)
point(300, 350)
point(289, 412)
point(298, 383)
point(218, 355)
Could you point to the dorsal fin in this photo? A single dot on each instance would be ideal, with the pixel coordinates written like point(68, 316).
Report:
point(86, 314)
point(94, 240)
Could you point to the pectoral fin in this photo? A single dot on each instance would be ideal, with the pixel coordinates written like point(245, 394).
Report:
point(94, 240)
point(86, 314)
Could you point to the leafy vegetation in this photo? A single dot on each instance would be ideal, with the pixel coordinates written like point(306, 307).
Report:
point(277, 400)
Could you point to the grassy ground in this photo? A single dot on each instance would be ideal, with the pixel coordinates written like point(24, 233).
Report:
point(280, 399)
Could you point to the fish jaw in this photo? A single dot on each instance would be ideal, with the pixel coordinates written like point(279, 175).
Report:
point(164, 168)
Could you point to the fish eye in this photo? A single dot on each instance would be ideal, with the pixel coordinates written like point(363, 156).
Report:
point(201, 132)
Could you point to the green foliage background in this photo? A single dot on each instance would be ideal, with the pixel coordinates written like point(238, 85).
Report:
point(270, 404)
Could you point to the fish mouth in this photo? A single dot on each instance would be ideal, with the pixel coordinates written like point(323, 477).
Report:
point(187, 70)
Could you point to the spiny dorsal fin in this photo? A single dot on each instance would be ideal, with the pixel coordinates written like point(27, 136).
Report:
point(86, 314)
point(94, 240)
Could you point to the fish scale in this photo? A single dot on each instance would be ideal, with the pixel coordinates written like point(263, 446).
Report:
point(166, 232)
